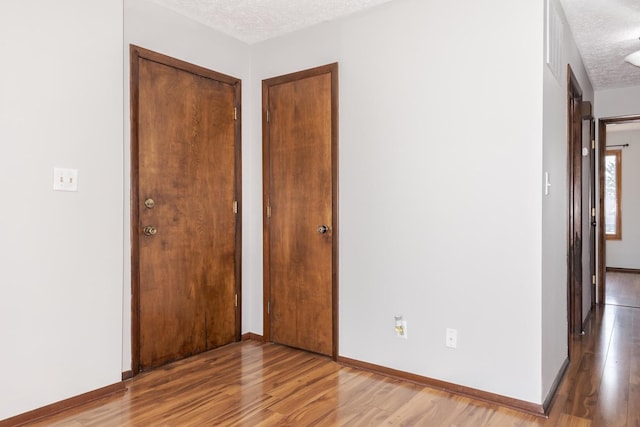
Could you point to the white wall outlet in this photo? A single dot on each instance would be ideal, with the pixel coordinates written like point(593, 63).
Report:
point(452, 338)
point(65, 179)
point(400, 327)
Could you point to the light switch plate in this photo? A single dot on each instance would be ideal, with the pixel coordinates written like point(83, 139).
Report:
point(65, 179)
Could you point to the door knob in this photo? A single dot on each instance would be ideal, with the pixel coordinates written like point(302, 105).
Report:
point(323, 229)
point(149, 231)
point(149, 203)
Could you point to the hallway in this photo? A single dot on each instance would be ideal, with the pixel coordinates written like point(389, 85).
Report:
point(602, 385)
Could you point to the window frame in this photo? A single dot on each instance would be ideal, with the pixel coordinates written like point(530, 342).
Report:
point(617, 235)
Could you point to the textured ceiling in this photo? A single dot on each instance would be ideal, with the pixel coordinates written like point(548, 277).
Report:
point(252, 21)
point(606, 31)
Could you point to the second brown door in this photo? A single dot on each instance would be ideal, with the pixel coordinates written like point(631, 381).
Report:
point(300, 194)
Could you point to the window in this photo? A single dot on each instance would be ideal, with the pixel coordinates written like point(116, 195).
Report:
point(612, 194)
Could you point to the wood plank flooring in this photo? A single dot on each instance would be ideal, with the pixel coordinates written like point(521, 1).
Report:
point(255, 384)
point(623, 289)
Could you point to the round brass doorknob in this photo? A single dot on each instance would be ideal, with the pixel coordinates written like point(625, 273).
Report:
point(323, 229)
point(149, 231)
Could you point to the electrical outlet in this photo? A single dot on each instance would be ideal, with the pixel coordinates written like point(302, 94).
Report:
point(65, 179)
point(452, 338)
point(400, 327)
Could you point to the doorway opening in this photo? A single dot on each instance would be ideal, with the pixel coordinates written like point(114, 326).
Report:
point(607, 136)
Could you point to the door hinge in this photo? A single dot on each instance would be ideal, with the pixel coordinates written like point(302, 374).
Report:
point(235, 113)
point(593, 212)
point(268, 211)
point(236, 300)
point(593, 279)
point(593, 144)
point(268, 118)
point(268, 307)
point(235, 206)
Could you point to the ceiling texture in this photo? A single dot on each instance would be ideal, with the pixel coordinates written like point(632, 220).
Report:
point(253, 21)
point(606, 31)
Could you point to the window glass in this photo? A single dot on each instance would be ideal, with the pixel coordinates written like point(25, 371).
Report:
point(612, 194)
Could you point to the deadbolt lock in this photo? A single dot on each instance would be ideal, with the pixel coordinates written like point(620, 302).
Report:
point(149, 230)
point(323, 229)
point(149, 203)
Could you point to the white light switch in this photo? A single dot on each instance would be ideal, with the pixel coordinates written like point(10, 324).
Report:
point(65, 179)
point(547, 183)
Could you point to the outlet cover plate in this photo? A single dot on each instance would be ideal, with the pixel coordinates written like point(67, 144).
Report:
point(65, 179)
point(452, 338)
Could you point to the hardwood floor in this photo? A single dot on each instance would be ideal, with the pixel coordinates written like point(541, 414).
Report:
point(623, 289)
point(254, 384)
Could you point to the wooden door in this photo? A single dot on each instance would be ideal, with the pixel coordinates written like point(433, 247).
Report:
point(592, 207)
point(300, 197)
point(185, 227)
point(574, 267)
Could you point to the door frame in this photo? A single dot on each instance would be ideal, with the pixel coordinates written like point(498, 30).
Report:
point(593, 233)
point(331, 69)
point(574, 229)
point(602, 240)
point(136, 53)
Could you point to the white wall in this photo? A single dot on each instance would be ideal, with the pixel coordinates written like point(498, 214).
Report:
point(623, 101)
point(555, 209)
point(153, 27)
point(61, 259)
point(442, 227)
point(625, 253)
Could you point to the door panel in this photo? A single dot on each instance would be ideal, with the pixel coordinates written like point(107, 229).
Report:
point(186, 163)
point(575, 204)
point(592, 212)
point(586, 218)
point(300, 194)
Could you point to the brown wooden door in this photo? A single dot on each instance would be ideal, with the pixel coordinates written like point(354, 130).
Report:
point(592, 208)
point(575, 205)
point(184, 159)
point(300, 164)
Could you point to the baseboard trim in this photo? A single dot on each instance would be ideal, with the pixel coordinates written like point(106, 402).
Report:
point(495, 399)
point(250, 336)
point(548, 402)
point(127, 375)
point(63, 405)
point(623, 270)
